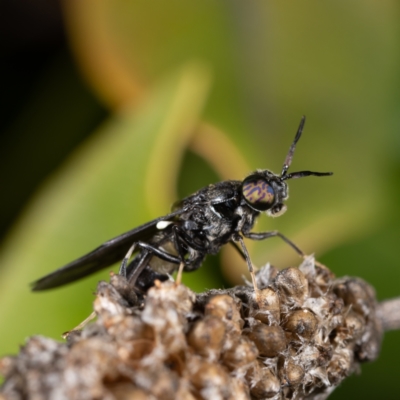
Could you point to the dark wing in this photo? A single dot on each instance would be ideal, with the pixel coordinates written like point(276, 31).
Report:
point(108, 253)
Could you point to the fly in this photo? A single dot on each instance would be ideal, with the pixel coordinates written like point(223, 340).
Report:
point(198, 225)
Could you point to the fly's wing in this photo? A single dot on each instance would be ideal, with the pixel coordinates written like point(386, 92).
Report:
point(108, 253)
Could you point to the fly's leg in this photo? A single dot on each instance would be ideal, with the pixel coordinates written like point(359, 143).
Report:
point(266, 235)
point(122, 268)
point(91, 317)
point(148, 252)
point(261, 236)
point(239, 239)
point(178, 279)
point(181, 253)
point(181, 237)
point(150, 249)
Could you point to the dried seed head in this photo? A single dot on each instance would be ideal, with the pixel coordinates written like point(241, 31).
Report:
point(298, 339)
point(293, 287)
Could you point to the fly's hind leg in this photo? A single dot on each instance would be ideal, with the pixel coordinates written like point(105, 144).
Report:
point(148, 251)
point(91, 317)
point(151, 250)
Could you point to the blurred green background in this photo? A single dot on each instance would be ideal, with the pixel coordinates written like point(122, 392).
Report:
point(110, 110)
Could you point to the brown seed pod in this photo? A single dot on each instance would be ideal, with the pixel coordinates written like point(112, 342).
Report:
point(210, 380)
point(355, 324)
point(158, 382)
point(270, 340)
point(184, 391)
point(126, 391)
point(206, 337)
point(290, 373)
point(226, 308)
point(242, 353)
point(130, 328)
point(340, 366)
point(263, 382)
point(266, 307)
point(357, 293)
point(300, 325)
point(167, 307)
point(239, 390)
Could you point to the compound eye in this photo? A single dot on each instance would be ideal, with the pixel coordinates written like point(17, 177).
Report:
point(258, 193)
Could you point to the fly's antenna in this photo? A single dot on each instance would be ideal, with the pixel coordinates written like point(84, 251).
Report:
point(289, 157)
point(302, 174)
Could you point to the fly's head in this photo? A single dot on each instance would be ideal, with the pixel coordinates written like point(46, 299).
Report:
point(265, 191)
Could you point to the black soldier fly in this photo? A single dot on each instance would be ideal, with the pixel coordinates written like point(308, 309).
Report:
point(198, 225)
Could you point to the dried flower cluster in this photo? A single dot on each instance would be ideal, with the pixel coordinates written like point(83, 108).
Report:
point(298, 338)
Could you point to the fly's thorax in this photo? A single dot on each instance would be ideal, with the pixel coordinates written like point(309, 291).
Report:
point(217, 228)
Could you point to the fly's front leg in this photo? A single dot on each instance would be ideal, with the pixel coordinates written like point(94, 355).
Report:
point(266, 235)
point(239, 239)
